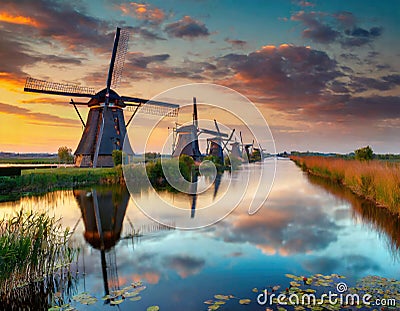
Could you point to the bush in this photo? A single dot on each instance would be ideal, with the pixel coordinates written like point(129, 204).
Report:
point(364, 154)
point(117, 157)
point(65, 155)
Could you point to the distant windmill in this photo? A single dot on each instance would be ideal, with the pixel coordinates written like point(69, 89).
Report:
point(187, 137)
point(216, 145)
point(105, 127)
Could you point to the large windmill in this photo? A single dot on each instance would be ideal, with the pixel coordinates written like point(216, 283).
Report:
point(105, 127)
point(186, 137)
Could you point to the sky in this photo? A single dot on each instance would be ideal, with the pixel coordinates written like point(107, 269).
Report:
point(325, 74)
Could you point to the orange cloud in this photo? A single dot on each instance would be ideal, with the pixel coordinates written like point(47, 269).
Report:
point(11, 82)
point(18, 19)
point(150, 277)
point(143, 11)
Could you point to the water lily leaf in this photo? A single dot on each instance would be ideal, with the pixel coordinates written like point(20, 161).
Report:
point(254, 290)
point(153, 308)
point(220, 302)
point(221, 297)
point(209, 302)
point(244, 301)
point(116, 302)
point(131, 294)
point(136, 298)
point(213, 307)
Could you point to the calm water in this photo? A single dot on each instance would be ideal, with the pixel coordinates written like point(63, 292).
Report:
point(307, 226)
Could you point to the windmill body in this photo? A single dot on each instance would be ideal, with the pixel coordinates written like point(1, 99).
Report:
point(187, 142)
point(105, 127)
point(111, 139)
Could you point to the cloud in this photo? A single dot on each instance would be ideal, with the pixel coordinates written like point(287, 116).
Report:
point(14, 55)
point(18, 19)
point(359, 36)
point(316, 30)
point(236, 43)
point(46, 100)
point(187, 27)
point(362, 84)
point(281, 72)
point(61, 21)
point(305, 4)
point(138, 60)
point(346, 19)
point(361, 32)
point(185, 265)
point(37, 117)
point(146, 34)
point(143, 11)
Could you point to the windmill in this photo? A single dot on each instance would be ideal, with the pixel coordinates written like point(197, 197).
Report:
point(105, 127)
point(187, 137)
point(216, 145)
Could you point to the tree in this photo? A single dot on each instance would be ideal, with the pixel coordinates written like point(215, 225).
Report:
point(117, 157)
point(65, 155)
point(364, 154)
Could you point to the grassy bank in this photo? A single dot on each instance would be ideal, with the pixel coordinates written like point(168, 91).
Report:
point(375, 180)
point(40, 181)
point(48, 160)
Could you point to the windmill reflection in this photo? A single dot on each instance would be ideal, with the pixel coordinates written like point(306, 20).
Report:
point(103, 211)
point(194, 195)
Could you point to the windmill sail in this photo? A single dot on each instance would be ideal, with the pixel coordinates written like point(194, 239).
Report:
point(120, 58)
point(54, 88)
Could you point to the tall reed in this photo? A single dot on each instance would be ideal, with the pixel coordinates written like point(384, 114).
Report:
point(378, 181)
point(33, 246)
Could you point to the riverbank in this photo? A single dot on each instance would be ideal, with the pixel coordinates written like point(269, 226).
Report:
point(39, 181)
point(377, 181)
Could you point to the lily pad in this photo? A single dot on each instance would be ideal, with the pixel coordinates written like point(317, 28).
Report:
point(116, 302)
point(221, 297)
point(153, 308)
point(244, 301)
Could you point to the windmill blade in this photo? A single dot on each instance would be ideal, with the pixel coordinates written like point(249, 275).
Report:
point(228, 140)
point(122, 48)
point(195, 118)
point(152, 107)
point(112, 62)
point(54, 88)
point(216, 126)
point(205, 131)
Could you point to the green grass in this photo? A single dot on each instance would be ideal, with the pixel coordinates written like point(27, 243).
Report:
point(39, 181)
point(33, 246)
point(49, 160)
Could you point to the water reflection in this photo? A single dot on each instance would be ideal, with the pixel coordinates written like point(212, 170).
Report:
point(378, 218)
point(103, 211)
point(305, 227)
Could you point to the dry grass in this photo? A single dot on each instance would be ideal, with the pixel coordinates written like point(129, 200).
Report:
point(375, 180)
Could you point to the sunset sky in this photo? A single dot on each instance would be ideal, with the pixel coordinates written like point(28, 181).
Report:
point(325, 74)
